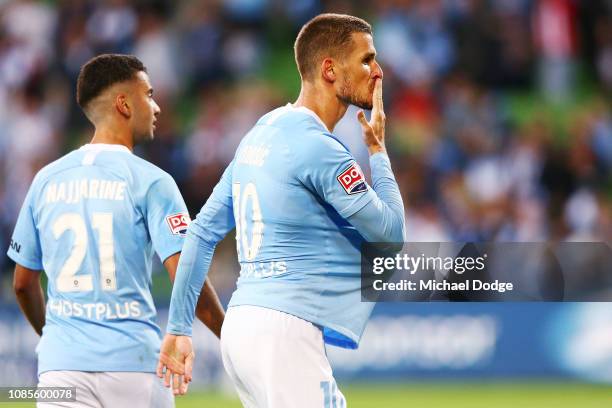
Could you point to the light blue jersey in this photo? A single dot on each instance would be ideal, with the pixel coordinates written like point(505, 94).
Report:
point(91, 221)
point(302, 208)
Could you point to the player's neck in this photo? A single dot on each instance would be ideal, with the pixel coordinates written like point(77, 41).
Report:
point(108, 134)
point(322, 102)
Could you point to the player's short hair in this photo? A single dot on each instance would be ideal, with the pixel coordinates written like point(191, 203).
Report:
point(100, 72)
point(325, 35)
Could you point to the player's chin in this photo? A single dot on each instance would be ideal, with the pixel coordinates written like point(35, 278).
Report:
point(367, 105)
point(144, 137)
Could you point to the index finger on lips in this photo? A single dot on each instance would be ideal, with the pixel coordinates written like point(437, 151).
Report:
point(378, 97)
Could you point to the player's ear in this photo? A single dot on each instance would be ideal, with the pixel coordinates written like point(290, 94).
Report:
point(122, 105)
point(328, 70)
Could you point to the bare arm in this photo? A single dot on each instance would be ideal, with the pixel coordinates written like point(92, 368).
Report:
point(208, 308)
point(29, 293)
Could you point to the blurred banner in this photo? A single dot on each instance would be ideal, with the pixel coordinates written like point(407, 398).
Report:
point(414, 341)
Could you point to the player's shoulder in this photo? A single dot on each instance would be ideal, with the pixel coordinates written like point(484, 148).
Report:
point(66, 162)
point(146, 169)
point(305, 130)
point(145, 177)
point(318, 143)
point(296, 120)
point(118, 160)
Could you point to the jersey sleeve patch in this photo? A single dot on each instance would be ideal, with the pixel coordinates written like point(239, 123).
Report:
point(352, 180)
point(178, 223)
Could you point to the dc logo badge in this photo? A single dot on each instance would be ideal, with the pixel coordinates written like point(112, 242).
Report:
point(352, 180)
point(178, 223)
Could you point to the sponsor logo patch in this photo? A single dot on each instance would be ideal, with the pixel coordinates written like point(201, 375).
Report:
point(15, 246)
point(352, 180)
point(178, 223)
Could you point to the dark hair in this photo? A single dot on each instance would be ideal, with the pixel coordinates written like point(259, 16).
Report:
point(325, 35)
point(102, 71)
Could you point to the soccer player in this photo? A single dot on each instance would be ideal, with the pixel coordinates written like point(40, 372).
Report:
point(91, 220)
point(301, 208)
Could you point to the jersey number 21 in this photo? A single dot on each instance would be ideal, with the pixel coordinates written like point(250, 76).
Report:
point(68, 280)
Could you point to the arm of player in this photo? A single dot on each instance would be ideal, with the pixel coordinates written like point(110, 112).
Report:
point(329, 169)
point(211, 225)
point(168, 223)
point(29, 293)
point(208, 309)
point(213, 222)
point(382, 218)
point(25, 250)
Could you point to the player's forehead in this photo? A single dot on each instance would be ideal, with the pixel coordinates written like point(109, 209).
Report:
point(139, 82)
point(362, 44)
point(142, 80)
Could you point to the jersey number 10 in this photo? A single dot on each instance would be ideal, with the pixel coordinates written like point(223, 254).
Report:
point(240, 201)
point(68, 280)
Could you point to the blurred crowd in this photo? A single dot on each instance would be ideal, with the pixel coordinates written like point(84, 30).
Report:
point(499, 119)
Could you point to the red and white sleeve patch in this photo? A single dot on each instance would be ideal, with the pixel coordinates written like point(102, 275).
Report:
point(352, 180)
point(178, 223)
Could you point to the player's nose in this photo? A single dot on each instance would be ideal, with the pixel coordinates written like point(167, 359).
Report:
point(377, 72)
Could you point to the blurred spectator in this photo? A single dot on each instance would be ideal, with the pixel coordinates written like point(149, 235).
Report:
point(111, 27)
point(604, 57)
point(554, 30)
point(156, 47)
point(201, 41)
point(31, 24)
point(31, 145)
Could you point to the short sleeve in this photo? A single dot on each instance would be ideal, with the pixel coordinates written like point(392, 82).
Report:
point(326, 167)
point(24, 247)
point(167, 217)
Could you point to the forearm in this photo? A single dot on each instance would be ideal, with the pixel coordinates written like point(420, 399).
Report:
point(383, 182)
point(213, 222)
point(381, 220)
point(32, 303)
point(187, 291)
point(209, 309)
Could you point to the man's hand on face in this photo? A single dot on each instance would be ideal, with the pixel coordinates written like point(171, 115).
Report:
point(374, 130)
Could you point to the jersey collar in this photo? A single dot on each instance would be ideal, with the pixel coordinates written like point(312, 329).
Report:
point(100, 147)
point(308, 112)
